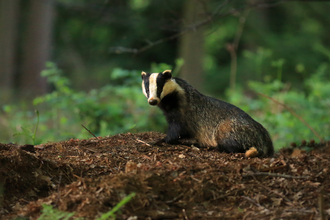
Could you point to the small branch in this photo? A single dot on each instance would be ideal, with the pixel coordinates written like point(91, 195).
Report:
point(88, 131)
point(299, 210)
point(175, 199)
point(293, 113)
point(67, 193)
point(232, 48)
point(58, 191)
point(193, 27)
point(239, 31)
point(119, 50)
point(253, 202)
point(143, 142)
point(185, 214)
point(273, 168)
point(275, 175)
point(321, 204)
point(138, 140)
point(268, 5)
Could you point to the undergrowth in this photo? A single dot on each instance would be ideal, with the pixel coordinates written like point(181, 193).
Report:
point(312, 105)
point(48, 212)
point(121, 107)
point(116, 108)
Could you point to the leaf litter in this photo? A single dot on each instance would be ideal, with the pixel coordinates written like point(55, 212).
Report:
point(89, 177)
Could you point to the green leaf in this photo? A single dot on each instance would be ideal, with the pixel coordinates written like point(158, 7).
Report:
point(7, 108)
point(117, 207)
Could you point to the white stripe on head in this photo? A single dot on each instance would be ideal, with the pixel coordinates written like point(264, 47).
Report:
point(153, 86)
point(144, 89)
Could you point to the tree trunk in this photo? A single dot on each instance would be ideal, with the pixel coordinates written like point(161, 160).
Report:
point(192, 45)
point(36, 47)
point(9, 10)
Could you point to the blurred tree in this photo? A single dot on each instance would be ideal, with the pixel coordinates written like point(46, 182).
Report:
point(36, 47)
point(91, 38)
point(9, 11)
point(191, 47)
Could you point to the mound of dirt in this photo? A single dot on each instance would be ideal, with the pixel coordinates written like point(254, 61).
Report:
point(89, 177)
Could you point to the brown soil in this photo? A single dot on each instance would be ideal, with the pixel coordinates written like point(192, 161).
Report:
point(89, 177)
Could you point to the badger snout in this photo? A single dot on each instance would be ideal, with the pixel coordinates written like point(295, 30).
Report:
point(153, 102)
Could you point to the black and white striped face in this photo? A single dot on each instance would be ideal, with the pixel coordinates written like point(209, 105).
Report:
point(155, 86)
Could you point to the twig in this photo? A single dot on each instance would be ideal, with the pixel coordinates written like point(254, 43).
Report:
point(299, 210)
point(88, 131)
point(197, 180)
point(273, 168)
point(293, 113)
point(151, 44)
point(58, 191)
point(67, 193)
point(232, 48)
point(192, 27)
point(275, 175)
point(81, 179)
point(175, 199)
point(268, 5)
point(321, 205)
point(138, 140)
point(143, 142)
point(247, 214)
point(216, 14)
point(253, 202)
point(185, 214)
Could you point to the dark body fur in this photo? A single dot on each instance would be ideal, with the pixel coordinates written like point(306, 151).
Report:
point(212, 122)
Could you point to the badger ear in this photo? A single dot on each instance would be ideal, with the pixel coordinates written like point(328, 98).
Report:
point(167, 74)
point(143, 74)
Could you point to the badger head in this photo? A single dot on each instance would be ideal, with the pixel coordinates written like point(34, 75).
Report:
point(155, 86)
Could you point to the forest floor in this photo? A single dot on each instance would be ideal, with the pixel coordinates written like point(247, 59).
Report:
point(89, 177)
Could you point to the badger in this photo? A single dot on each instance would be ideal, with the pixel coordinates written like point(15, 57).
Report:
point(211, 122)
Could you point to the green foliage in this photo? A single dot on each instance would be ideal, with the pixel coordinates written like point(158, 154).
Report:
point(118, 107)
point(139, 4)
point(115, 108)
point(121, 107)
point(86, 34)
point(111, 213)
point(157, 68)
point(21, 124)
point(259, 60)
point(48, 212)
point(26, 131)
point(284, 127)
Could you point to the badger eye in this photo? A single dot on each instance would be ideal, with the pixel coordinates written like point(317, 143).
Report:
point(159, 90)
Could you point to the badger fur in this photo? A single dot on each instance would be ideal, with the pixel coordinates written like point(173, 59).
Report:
point(212, 122)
